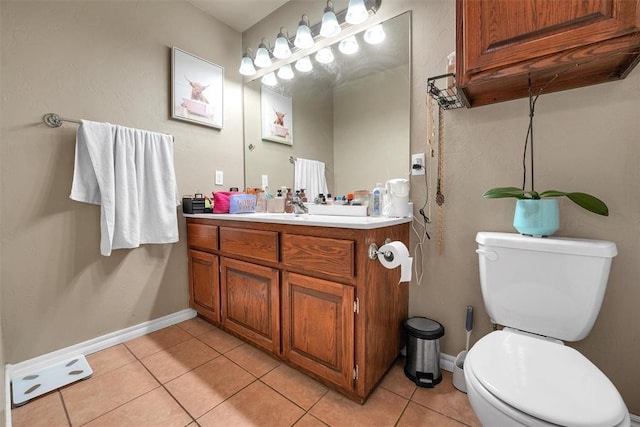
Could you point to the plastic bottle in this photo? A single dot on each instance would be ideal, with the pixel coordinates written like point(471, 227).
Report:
point(376, 200)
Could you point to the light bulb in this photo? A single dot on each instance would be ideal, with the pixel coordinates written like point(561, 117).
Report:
point(304, 64)
point(324, 55)
point(263, 59)
point(330, 26)
point(246, 66)
point(286, 73)
point(269, 79)
point(281, 49)
point(304, 39)
point(349, 45)
point(356, 13)
point(375, 34)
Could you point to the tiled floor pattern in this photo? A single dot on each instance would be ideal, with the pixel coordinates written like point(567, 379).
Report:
point(193, 374)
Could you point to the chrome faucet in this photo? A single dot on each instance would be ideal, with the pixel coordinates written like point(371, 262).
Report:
point(298, 206)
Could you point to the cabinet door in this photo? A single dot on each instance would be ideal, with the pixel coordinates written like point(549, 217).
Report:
point(318, 327)
point(501, 32)
point(204, 289)
point(500, 43)
point(251, 302)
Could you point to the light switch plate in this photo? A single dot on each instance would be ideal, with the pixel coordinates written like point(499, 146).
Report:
point(265, 181)
point(219, 177)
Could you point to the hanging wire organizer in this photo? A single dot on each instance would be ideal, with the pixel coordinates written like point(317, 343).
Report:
point(443, 90)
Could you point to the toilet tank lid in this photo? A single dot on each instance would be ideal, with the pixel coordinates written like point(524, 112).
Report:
point(562, 245)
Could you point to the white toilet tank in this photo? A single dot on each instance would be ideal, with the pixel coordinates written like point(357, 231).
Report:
point(549, 286)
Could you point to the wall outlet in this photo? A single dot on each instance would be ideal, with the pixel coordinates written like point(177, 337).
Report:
point(219, 177)
point(418, 164)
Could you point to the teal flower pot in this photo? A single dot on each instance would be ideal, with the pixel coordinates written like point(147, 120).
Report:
point(538, 218)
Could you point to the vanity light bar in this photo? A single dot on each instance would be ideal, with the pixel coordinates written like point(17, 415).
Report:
point(353, 15)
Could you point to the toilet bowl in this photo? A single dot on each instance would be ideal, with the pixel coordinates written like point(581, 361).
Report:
point(516, 378)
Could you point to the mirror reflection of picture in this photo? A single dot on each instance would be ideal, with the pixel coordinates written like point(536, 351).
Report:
point(277, 116)
point(196, 89)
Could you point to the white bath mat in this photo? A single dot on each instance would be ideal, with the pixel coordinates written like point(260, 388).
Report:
point(34, 384)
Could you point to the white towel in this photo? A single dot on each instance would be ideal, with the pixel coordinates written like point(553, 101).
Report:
point(130, 174)
point(309, 174)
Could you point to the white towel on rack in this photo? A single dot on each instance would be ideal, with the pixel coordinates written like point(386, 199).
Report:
point(130, 174)
point(309, 174)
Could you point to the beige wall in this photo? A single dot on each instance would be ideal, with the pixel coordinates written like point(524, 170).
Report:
point(586, 140)
point(104, 61)
point(2, 363)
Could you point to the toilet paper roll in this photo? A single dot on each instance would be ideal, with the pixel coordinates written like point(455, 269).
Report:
point(396, 254)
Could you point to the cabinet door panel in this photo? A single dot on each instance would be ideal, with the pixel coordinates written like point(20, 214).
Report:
point(257, 244)
point(202, 236)
point(251, 302)
point(332, 257)
point(501, 32)
point(204, 295)
point(318, 327)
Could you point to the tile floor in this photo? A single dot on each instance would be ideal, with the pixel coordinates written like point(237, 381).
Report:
point(193, 374)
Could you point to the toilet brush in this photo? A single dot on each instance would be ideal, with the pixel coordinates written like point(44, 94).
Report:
point(458, 367)
point(469, 324)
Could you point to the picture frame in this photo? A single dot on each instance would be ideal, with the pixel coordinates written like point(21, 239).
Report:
point(277, 116)
point(196, 89)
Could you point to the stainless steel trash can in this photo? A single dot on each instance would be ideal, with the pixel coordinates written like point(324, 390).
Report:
point(423, 351)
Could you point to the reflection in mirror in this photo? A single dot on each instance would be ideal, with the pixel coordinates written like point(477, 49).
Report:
point(352, 114)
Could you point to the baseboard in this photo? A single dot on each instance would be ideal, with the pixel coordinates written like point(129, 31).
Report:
point(447, 362)
point(86, 348)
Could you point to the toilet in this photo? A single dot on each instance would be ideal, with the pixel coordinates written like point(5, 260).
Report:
point(544, 292)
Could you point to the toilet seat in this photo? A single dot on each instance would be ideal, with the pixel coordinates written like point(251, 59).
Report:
point(545, 380)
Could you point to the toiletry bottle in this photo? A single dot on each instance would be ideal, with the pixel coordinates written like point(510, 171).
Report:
point(329, 199)
point(261, 202)
point(288, 206)
point(303, 196)
point(376, 200)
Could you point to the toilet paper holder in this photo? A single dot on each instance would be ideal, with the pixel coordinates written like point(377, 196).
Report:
point(374, 251)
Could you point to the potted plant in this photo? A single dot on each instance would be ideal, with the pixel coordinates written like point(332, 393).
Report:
point(537, 214)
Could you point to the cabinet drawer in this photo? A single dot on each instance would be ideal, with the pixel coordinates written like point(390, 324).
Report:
point(256, 244)
point(333, 257)
point(202, 236)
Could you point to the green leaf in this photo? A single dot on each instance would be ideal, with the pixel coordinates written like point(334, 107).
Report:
point(552, 193)
point(589, 202)
point(504, 192)
point(584, 200)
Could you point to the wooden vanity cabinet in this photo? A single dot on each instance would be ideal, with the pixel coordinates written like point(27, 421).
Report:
point(500, 43)
point(310, 296)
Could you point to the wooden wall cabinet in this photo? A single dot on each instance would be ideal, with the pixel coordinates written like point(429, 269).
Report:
point(500, 43)
point(308, 295)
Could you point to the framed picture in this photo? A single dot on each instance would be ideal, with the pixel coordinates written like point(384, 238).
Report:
point(196, 89)
point(277, 116)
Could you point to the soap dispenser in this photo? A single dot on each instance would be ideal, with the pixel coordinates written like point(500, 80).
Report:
point(288, 206)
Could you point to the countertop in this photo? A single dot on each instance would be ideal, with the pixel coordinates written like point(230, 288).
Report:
point(357, 222)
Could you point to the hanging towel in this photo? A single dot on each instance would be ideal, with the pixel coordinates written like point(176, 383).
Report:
point(309, 174)
point(130, 174)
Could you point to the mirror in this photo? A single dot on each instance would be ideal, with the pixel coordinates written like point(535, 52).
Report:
point(352, 114)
